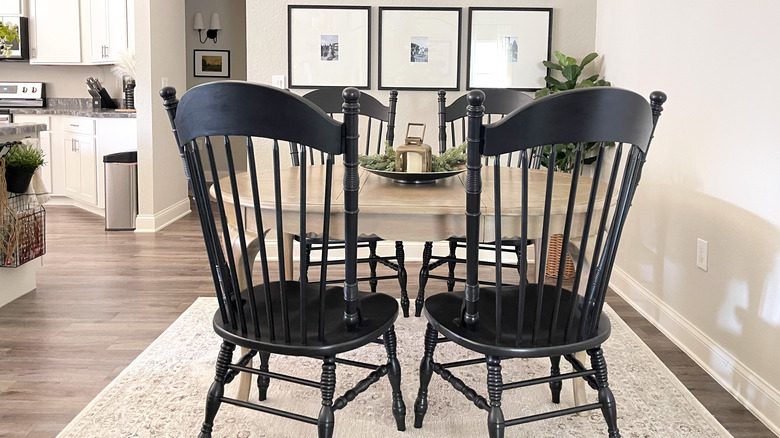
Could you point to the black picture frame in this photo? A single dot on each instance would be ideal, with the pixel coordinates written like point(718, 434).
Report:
point(506, 47)
point(211, 63)
point(422, 49)
point(343, 31)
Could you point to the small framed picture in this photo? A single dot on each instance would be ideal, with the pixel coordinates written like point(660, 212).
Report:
point(212, 63)
point(419, 48)
point(328, 46)
point(507, 47)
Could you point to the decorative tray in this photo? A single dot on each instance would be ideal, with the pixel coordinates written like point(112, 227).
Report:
point(414, 177)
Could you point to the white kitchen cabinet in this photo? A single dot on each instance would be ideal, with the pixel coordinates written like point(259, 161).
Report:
point(81, 32)
point(10, 7)
point(80, 159)
point(56, 32)
point(108, 25)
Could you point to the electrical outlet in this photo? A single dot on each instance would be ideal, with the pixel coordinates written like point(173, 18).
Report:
point(701, 254)
point(278, 81)
point(164, 82)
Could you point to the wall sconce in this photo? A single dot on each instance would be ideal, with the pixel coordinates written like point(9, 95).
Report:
point(215, 26)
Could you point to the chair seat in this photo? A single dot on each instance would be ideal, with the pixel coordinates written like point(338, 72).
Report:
point(379, 312)
point(443, 312)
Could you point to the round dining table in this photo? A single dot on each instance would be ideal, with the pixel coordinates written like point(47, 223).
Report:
point(395, 211)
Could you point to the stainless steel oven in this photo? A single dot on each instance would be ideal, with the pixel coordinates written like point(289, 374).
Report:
point(22, 95)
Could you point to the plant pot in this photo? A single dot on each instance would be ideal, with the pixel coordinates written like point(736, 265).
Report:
point(17, 181)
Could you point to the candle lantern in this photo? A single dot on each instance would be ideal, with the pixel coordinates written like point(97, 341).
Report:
point(413, 156)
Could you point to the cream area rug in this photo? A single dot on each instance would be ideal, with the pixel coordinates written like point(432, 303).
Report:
point(162, 393)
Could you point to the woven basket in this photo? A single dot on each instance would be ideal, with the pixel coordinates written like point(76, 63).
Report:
point(553, 259)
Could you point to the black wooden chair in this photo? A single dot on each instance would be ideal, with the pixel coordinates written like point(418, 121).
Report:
point(534, 320)
point(452, 118)
point(286, 317)
point(375, 117)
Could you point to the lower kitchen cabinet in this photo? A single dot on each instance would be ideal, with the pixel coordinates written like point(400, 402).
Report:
point(74, 148)
point(81, 168)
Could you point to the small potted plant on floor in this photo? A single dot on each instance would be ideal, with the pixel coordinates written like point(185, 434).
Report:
point(21, 162)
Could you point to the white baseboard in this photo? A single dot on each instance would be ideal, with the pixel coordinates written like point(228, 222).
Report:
point(750, 389)
point(64, 200)
point(151, 223)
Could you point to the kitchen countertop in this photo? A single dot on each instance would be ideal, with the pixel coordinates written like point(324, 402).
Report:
point(106, 113)
point(9, 129)
point(74, 107)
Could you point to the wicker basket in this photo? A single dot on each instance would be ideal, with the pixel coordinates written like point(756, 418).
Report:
point(30, 231)
point(554, 256)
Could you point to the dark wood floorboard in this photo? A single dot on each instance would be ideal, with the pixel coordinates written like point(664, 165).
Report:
point(102, 298)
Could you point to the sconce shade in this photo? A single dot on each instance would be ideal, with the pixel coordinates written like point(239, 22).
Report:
point(215, 23)
point(197, 24)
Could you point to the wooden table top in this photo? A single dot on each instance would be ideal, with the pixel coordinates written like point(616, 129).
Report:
point(416, 212)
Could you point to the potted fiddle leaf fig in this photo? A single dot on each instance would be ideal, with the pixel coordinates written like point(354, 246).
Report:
point(8, 34)
point(565, 154)
point(21, 162)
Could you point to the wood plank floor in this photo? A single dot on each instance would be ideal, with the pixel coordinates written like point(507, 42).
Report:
point(102, 298)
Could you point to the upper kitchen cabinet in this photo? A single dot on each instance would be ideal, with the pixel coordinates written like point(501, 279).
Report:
point(56, 32)
point(78, 31)
point(10, 7)
point(109, 29)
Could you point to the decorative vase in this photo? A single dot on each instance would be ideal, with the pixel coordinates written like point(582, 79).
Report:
point(17, 181)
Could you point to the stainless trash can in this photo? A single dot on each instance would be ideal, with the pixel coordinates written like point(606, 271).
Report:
point(121, 190)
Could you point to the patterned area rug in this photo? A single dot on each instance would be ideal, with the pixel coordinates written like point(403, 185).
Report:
point(162, 393)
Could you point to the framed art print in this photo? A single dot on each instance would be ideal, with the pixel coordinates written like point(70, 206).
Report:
point(328, 46)
point(419, 48)
point(212, 63)
point(507, 47)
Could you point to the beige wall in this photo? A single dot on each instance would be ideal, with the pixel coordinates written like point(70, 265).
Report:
point(232, 37)
point(573, 33)
point(62, 80)
point(711, 174)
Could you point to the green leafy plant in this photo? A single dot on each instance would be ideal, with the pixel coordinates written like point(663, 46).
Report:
point(24, 157)
point(8, 34)
point(564, 155)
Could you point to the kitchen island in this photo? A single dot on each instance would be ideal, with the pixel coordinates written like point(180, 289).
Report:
point(15, 282)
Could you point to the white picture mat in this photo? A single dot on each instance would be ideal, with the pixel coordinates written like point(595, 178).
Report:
point(306, 28)
point(489, 68)
point(225, 55)
point(442, 30)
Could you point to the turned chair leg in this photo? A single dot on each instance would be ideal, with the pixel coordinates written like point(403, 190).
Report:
point(372, 281)
point(400, 258)
point(555, 386)
point(263, 382)
point(394, 375)
point(325, 420)
point(495, 421)
point(217, 390)
point(426, 260)
point(451, 266)
point(606, 398)
point(426, 371)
